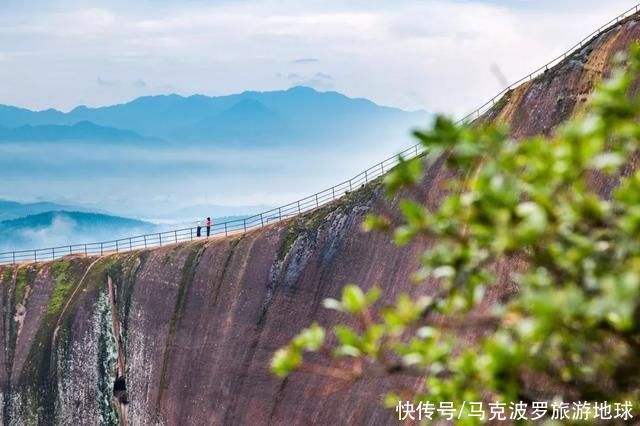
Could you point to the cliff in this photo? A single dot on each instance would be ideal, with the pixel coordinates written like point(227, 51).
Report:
point(183, 334)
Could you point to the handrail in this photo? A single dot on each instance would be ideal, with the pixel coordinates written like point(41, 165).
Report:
point(555, 61)
point(293, 209)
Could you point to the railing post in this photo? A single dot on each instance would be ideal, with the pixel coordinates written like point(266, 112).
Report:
point(14, 258)
point(366, 177)
point(190, 234)
point(144, 237)
point(101, 248)
point(416, 150)
point(70, 250)
point(130, 245)
point(175, 234)
point(160, 239)
point(244, 223)
point(53, 253)
point(298, 207)
point(225, 229)
point(261, 220)
point(116, 246)
point(350, 189)
point(317, 202)
point(85, 250)
point(382, 167)
point(279, 213)
point(35, 256)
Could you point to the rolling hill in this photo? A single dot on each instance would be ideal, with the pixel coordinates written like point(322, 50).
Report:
point(298, 115)
point(82, 131)
point(13, 209)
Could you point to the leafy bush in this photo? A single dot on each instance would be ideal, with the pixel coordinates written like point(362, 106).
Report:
point(573, 323)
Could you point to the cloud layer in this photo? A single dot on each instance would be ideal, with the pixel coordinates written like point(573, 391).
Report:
point(442, 55)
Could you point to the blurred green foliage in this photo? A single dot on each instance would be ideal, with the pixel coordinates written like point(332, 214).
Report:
point(572, 318)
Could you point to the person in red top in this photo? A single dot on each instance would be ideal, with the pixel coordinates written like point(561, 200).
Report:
point(208, 226)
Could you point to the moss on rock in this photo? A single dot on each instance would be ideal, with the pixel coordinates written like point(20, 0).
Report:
point(62, 287)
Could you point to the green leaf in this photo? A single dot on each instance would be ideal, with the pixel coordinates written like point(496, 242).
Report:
point(414, 213)
point(534, 222)
point(285, 361)
point(406, 173)
point(353, 299)
point(347, 336)
point(373, 295)
point(404, 235)
point(375, 223)
point(310, 339)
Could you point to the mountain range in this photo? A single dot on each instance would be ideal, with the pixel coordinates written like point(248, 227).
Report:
point(300, 114)
point(13, 209)
point(82, 131)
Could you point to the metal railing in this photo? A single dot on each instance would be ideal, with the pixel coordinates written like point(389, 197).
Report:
point(557, 60)
point(224, 228)
point(284, 212)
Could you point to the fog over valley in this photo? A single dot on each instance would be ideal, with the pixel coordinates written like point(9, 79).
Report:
point(168, 160)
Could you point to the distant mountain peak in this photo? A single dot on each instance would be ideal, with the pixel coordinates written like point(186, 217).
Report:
point(80, 108)
point(249, 105)
point(303, 89)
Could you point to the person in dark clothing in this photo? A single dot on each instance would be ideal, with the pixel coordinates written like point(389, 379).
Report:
point(198, 228)
point(208, 226)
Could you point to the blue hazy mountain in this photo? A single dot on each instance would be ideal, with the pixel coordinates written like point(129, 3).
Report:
point(56, 228)
point(298, 115)
point(13, 210)
point(12, 117)
point(82, 131)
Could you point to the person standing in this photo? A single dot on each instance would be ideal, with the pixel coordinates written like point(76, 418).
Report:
point(208, 227)
point(198, 227)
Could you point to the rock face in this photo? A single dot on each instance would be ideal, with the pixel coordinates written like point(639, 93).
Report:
point(538, 106)
point(183, 334)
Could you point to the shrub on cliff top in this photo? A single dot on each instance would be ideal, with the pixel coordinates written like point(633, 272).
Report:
point(571, 329)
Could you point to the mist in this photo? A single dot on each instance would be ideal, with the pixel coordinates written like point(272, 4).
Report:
point(153, 182)
point(62, 228)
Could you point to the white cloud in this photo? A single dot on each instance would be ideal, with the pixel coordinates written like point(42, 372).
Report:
point(305, 61)
point(442, 51)
point(106, 83)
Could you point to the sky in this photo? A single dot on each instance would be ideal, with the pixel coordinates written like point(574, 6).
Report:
point(440, 56)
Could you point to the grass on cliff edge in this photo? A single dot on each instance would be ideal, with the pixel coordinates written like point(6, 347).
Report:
point(60, 293)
